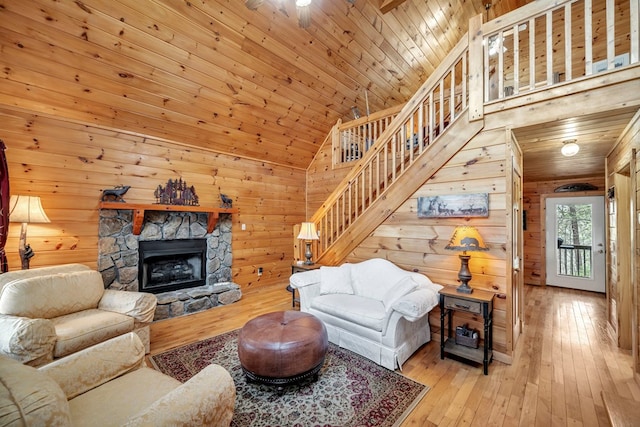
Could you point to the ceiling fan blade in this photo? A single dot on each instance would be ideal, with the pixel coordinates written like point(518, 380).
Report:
point(304, 16)
point(253, 4)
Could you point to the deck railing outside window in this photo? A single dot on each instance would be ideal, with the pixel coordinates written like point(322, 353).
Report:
point(574, 260)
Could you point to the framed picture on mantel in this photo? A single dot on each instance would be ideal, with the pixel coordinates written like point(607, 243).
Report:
point(454, 206)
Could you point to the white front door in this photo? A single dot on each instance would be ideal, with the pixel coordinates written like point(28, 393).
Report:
point(575, 238)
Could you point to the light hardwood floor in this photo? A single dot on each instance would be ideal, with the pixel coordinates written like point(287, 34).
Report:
point(563, 362)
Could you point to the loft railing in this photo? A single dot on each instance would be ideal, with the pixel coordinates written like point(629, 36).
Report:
point(353, 139)
point(541, 44)
point(416, 127)
point(544, 44)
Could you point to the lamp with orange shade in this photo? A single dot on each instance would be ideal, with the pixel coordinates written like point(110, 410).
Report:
point(465, 238)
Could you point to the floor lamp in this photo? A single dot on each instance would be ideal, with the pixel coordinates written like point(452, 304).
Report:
point(26, 209)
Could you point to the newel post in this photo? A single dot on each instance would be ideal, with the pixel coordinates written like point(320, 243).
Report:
point(476, 69)
point(335, 143)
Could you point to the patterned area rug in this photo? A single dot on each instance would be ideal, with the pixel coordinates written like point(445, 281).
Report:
point(350, 391)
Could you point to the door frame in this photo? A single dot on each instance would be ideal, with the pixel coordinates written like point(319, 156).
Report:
point(515, 279)
point(543, 228)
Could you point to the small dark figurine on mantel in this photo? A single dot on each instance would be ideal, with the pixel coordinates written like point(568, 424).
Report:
point(115, 194)
point(227, 202)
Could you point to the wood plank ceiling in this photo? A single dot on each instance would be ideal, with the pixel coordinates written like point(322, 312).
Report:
point(250, 83)
point(213, 73)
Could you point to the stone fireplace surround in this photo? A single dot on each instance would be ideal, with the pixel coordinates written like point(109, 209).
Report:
point(118, 257)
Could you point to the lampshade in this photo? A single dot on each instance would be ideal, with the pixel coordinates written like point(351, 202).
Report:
point(466, 238)
point(303, 3)
point(308, 231)
point(26, 209)
point(570, 148)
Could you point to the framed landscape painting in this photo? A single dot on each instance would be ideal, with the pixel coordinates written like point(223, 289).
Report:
point(454, 206)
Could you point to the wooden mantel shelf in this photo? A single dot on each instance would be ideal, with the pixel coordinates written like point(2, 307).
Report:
point(139, 209)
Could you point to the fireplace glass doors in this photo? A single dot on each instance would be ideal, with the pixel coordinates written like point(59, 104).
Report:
point(169, 265)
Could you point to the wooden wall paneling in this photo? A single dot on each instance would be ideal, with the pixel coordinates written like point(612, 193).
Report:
point(418, 244)
point(69, 164)
point(162, 101)
point(322, 177)
point(619, 156)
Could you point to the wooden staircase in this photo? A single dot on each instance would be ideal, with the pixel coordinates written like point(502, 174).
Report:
point(449, 110)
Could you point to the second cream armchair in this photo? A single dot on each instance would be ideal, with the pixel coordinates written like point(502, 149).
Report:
point(109, 385)
point(52, 312)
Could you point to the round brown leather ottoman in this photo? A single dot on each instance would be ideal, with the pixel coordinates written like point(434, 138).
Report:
point(282, 347)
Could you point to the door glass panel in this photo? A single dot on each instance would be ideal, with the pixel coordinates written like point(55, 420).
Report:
point(575, 240)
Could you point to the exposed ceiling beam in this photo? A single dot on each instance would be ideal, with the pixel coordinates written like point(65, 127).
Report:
point(388, 5)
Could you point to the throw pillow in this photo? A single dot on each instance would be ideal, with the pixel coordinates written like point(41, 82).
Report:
point(417, 304)
point(398, 290)
point(336, 280)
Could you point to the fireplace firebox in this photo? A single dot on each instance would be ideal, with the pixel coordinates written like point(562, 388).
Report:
point(169, 265)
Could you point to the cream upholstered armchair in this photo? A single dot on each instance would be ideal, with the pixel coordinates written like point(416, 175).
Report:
point(109, 385)
point(50, 312)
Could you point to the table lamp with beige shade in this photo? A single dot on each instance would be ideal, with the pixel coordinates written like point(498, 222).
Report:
point(26, 209)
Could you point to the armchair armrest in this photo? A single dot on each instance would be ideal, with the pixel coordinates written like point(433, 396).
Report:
point(207, 399)
point(139, 305)
point(305, 278)
point(416, 304)
point(95, 365)
point(308, 285)
point(26, 340)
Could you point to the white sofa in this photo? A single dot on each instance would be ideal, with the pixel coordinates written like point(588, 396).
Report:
point(50, 312)
point(109, 385)
point(372, 308)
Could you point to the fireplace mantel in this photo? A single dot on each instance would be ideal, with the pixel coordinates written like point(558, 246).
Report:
point(139, 209)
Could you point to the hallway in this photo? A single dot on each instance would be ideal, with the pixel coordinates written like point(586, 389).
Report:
point(564, 359)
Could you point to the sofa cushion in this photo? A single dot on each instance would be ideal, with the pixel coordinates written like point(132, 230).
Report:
point(29, 397)
point(374, 277)
point(367, 312)
point(78, 373)
point(336, 280)
point(128, 393)
point(88, 327)
point(52, 296)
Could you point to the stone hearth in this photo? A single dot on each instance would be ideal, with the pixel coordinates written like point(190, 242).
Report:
point(118, 257)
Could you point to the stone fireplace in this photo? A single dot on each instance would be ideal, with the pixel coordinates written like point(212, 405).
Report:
point(174, 257)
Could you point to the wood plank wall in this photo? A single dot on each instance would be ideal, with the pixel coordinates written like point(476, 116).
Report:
point(69, 164)
point(533, 239)
point(418, 243)
point(619, 160)
point(323, 177)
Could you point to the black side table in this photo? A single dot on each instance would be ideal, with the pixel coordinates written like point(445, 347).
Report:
point(299, 268)
point(478, 302)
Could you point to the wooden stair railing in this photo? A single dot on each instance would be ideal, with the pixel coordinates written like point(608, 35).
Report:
point(409, 137)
